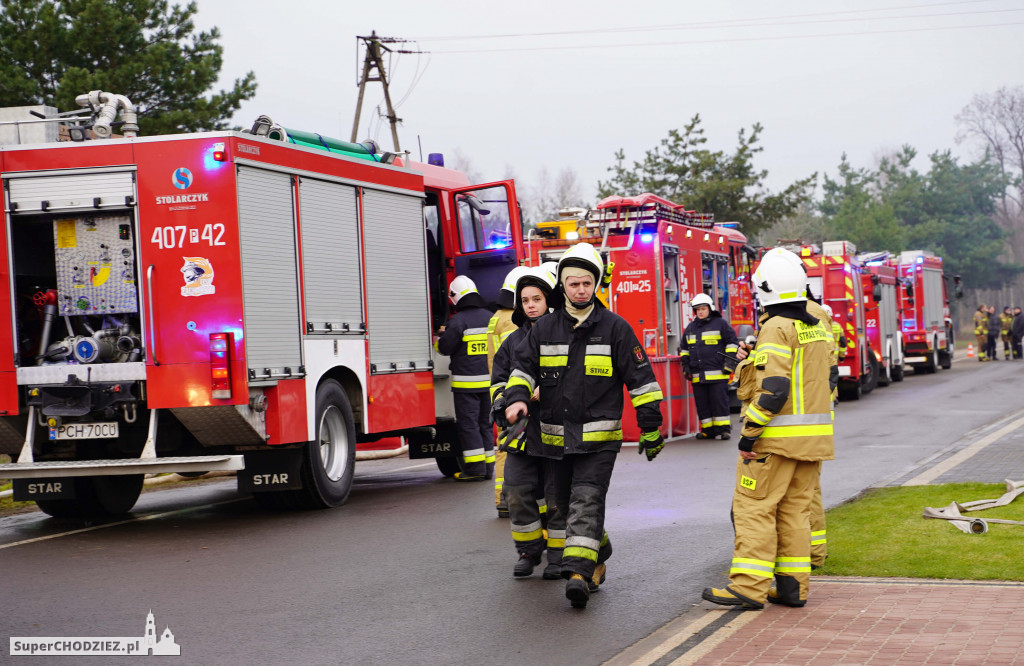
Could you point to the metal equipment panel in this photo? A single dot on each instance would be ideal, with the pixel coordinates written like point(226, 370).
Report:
point(108, 189)
point(269, 273)
point(398, 323)
point(331, 275)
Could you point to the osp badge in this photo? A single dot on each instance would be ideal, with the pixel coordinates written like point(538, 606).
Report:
point(198, 274)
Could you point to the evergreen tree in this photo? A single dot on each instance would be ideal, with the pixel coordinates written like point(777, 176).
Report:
point(147, 50)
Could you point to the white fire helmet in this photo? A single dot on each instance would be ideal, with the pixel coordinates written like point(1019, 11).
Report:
point(538, 277)
point(459, 287)
point(582, 255)
point(780, 278)
point(507, 294)
point(828, 310)
point(551, 267)
point(702, 299)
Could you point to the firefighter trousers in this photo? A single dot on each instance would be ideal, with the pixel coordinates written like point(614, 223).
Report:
point(476, 436)
point(819, 541)
point(771, 513)
point(531, 505)
point(982, 340)
point(712, 401)
point(991, 349)
point(1007, 347)
point(580, 486)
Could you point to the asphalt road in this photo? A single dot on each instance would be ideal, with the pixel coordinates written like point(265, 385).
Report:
point(415, 569)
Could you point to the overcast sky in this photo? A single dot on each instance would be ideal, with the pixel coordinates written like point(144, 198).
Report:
point(576, 81)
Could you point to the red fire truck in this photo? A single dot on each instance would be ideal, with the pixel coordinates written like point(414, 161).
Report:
point(663, 256)
point(741, 298)
point(255, 301)
point(924, 310)
point(882, 316)
point(834, 277)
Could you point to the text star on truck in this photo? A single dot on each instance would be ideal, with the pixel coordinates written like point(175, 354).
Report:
point(256, 301)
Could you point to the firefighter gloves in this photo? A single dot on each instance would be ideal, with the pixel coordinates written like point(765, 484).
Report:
point(651, 443)
point(514, 436)
point(747, 444)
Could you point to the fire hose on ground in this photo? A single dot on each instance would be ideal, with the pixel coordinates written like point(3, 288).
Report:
point(954, 512)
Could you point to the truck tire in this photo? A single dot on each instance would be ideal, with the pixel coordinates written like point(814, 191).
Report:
point(448, 465)
point(97, 496)
point(329, 461)
point(946, 355)
point(932, 366)
point(897, 373)
point(870, 380)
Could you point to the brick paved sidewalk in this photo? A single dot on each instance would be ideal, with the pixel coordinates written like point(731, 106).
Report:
point(877, 621)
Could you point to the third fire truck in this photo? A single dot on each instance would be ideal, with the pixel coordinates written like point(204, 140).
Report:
point(924, 310)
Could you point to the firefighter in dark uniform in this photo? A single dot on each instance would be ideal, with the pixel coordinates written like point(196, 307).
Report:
point(526, 487)
point(993, 332)
point(705, 339)
point(465, 340)
point(580, 357)
point(787, 432)
point(500, 327)
point(1017, 330)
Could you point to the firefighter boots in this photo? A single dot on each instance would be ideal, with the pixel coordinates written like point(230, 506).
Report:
point(552, 572)
point(463, 476)
point(524, 567)
point(600, 573)
point(577, 591)
point(786, 591)
point(727, 597)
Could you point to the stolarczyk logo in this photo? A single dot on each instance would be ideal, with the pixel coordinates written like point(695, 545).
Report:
point(150, 644)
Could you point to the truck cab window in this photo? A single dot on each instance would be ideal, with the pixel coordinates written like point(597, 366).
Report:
point(484, 219)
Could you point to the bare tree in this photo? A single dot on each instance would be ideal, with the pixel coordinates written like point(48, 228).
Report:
point(995, 124)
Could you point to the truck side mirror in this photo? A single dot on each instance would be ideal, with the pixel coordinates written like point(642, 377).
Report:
point(877, 293)
point(958, 291)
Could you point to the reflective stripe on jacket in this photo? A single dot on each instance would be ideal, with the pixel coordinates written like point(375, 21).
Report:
point(580, 372)
point(499, 327)
point(791, 361)
point(703, 340)
point(980, 323)
point(465, 341)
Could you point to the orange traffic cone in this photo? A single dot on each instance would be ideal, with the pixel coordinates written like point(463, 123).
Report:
point(970, 351)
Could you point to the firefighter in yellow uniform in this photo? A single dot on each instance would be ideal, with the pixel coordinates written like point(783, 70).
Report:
point(500, 327)
point(819, 539)
point(1005, 324)
point(981, 331)
point(787, 432)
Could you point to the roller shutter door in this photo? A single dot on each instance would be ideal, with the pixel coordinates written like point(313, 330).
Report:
point(269, 273)
point(396, 284)
point(331, 274)
point(97, 190)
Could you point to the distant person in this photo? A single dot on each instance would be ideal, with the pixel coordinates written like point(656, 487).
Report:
point(1017, 332)
point(1005, 326)
point(993, 333)
point(981, 331)
point(464, 339)
point(707, 341)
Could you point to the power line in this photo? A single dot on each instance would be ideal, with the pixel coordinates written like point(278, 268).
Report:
point(742, 23)
point(726, 40)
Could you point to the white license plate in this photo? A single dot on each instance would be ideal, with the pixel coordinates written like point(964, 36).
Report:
point(85, 431)
point(844, 371)
point(915, 359)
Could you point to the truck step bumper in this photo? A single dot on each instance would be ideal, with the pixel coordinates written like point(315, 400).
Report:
point(63, 468)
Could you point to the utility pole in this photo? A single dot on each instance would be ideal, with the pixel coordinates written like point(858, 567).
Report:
point(373, 71)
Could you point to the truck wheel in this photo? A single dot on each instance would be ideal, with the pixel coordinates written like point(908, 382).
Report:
point(448, 465)
point(97, 496)
point(933, 362)
point(946, 355)
point(329, 461)
point(870, 381)
point(897, 373)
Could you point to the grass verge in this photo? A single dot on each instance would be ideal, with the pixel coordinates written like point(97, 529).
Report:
point(882, 533)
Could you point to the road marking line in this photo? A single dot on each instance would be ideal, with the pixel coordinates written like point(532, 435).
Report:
point(960, 456)
point(676, 639)
point(697, 652)
point(149, 516)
